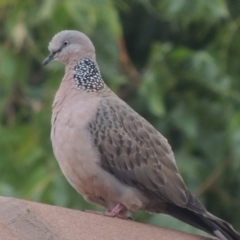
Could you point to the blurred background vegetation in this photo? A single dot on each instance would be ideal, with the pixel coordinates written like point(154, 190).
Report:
point(176, 62)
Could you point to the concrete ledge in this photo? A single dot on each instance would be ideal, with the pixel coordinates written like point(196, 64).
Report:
point(24, 220)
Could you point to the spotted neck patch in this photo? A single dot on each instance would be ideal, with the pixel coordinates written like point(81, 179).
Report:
point(87, 76)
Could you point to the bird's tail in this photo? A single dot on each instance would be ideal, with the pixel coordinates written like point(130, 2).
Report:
point(208, 223)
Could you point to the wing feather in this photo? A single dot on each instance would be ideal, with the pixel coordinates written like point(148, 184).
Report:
point(137, 154)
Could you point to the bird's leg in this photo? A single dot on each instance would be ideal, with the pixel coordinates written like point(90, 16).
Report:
point(117, 211)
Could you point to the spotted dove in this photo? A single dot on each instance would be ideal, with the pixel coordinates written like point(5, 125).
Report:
point(109, 153)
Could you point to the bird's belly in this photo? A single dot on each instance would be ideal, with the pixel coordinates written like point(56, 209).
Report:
point(72, 144)
point(75, 155)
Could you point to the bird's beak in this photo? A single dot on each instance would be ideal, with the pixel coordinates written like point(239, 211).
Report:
point(49, 58)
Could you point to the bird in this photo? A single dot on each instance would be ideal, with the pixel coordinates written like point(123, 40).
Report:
point(110, 154)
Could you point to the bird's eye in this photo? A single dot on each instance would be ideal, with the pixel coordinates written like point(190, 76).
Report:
point(65, 43)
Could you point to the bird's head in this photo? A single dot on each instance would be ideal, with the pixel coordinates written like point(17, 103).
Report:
point(70, 45)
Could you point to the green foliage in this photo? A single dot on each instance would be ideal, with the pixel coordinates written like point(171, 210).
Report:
point(176, 62)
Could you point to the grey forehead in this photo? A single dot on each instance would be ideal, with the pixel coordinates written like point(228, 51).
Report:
point(66, 35)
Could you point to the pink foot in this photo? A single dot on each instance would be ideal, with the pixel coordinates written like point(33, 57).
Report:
point(116, 212)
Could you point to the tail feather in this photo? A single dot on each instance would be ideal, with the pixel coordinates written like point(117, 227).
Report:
point(207, 222)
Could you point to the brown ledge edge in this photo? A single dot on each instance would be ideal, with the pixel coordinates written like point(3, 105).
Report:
point(25, 220)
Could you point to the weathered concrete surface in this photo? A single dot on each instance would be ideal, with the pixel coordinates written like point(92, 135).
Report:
point(24, 220)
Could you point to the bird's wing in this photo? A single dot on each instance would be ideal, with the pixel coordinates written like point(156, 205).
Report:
point(137, 154)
